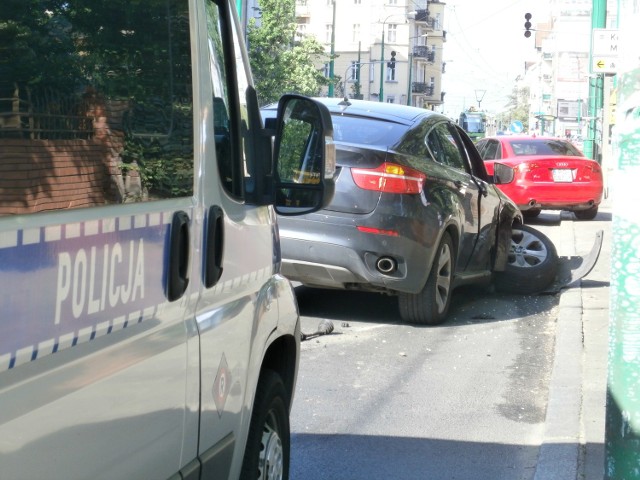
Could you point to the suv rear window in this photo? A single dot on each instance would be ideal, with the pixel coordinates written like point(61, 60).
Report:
point(366, 131)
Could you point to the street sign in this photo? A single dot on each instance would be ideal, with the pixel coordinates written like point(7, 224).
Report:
point(604, 50)
point(516, 126)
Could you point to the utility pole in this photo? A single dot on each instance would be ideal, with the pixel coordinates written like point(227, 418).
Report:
point(596, 84)
point(333, 49)
point(381, 94)
point(622, 432)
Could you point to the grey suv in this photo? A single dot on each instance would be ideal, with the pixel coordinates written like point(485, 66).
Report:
point(414, 215)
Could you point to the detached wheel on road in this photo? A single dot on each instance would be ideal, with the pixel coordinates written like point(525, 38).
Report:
point(589, 214)
point(532, 263)
point(267, 454)
point(431, 305)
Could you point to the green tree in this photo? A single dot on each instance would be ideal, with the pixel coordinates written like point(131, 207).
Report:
point(518, 106)
point(280, 64)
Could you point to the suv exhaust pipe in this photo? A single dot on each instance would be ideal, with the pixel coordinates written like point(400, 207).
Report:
point(386, 265)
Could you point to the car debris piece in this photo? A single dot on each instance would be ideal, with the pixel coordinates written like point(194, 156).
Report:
point(325, 327)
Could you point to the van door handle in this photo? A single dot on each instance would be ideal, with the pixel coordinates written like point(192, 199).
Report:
point(179, 246)
point(214, 246)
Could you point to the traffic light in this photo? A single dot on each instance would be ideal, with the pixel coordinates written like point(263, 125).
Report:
point(527, 25)
point(392, 62)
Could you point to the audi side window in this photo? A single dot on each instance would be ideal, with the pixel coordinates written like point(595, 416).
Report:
point(491, 150)
point(481, 146)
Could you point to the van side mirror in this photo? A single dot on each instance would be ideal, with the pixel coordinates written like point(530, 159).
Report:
point(502, 174)
point(305, 158)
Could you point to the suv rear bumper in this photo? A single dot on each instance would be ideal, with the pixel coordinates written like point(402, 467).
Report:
point(347, 258)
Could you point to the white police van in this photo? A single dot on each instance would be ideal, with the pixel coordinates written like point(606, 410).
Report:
point(145, 330)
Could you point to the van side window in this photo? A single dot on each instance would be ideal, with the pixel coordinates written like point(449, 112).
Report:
point(95, 106)
point(228, 76)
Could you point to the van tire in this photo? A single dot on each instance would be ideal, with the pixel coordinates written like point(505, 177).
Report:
point(430, 306)
point(267, 453)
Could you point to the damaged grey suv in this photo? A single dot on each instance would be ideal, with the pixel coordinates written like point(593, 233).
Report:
point(414, 215)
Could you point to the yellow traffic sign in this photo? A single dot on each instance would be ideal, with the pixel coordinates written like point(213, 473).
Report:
point(604, 65)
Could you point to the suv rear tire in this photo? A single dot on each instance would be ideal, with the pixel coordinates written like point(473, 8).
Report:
point(431, 305)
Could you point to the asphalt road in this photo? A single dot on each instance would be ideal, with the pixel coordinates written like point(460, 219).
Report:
point(379, 399)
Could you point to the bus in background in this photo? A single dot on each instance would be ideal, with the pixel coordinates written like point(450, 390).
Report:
point(474, 123)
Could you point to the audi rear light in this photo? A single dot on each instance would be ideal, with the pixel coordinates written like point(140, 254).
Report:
point(389, 178)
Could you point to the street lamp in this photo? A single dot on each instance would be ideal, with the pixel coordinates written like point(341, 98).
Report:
point(381, 94)
point(479, 96)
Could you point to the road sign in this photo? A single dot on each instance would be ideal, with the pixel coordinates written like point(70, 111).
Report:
point(604, 50)
point(516, 126)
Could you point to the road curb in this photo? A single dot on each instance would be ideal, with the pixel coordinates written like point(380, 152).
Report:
point(560, 450)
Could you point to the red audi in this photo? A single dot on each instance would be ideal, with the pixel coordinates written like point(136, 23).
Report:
point(548, 173)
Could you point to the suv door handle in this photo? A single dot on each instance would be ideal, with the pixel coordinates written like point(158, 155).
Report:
point(179, 246)
point(214, 246)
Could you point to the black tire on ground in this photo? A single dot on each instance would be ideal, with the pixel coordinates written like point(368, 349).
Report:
point(589, 214)
point(268, 445)
point(431, 305)
point(533, 213)
point(532, 263)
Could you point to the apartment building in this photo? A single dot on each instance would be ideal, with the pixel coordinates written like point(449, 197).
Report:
point(383, 50)
point(559, 81)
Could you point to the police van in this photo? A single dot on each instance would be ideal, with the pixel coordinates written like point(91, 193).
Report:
point(145, 329)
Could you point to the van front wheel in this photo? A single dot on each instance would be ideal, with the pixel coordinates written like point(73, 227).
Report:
point(267, 454)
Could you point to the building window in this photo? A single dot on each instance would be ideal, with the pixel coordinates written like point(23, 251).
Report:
point(327, 33)
point(371, 72)
point(356, 32)
point(392, 31)
point(390, 99)
point(354, 72)
point(301, 30)
point(326, 70)
point(391, 75)
point(357, 2)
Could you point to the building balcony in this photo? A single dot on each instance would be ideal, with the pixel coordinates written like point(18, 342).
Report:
point(422, 16)
point(424, 52)
point(424, 88)
point(302, 9)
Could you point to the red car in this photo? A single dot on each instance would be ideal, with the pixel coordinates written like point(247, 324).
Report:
point(548, 173)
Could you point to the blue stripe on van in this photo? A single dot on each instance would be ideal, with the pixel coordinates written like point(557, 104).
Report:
point(65, 285)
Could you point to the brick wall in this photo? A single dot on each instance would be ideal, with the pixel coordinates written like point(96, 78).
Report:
point(37, 175)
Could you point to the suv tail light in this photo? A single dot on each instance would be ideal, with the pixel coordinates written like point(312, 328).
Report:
point(389, 178)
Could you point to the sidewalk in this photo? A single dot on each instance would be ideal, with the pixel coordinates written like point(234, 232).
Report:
point(573, 446)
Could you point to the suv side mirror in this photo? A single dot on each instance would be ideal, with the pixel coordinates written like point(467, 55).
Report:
point(502, 174)
point(305, 158)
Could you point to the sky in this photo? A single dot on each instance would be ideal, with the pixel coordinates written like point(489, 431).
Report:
point(486, 50)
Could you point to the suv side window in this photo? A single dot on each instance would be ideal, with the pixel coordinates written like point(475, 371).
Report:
point(79, 128)
point(445, 148)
